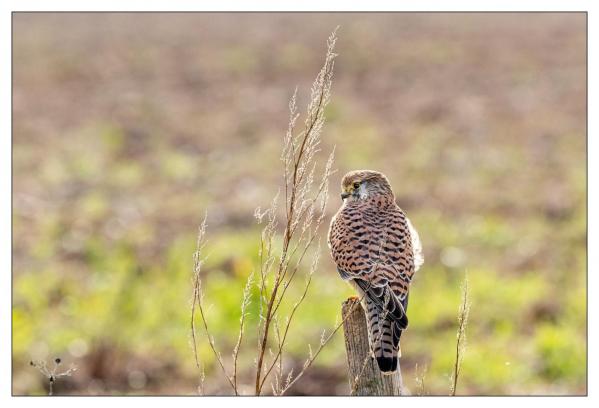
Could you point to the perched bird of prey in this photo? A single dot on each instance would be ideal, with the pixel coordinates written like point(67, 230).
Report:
point(377, 250)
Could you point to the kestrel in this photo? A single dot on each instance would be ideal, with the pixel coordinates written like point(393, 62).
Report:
point(377, 250)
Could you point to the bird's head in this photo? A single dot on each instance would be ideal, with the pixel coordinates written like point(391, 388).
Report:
point(362, 184)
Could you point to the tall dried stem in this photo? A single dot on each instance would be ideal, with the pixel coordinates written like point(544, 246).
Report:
point(245, 302)
point(306, 195)
point(196, 305)
point(304, 213)
point(460, 349)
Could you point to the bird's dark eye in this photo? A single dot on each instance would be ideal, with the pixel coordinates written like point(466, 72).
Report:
point(356, 185)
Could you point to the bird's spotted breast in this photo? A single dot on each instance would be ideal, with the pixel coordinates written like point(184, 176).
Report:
point(373, 243)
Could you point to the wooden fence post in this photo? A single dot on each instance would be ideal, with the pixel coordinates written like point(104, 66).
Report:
point(361, 366)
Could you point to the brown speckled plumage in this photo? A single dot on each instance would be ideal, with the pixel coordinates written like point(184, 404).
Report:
point(376, 249)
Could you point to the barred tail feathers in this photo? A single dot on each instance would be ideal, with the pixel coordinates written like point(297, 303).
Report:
point(384, 335)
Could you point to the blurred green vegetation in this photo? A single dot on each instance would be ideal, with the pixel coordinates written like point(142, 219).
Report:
point(128, 127)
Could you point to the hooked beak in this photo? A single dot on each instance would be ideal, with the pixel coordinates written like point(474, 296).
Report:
point(344, 195)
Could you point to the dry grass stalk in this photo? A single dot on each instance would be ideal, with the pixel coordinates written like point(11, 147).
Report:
point(245, 302)
point(463, 313)
point(52, 374)
point(196, 305)
point(305, 202)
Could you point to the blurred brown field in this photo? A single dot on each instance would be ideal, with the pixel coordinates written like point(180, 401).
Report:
point(128, 127)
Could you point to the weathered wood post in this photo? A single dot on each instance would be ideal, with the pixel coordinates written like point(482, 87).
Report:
point(365, 378)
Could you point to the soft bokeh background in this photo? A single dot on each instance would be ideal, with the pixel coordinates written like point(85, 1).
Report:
point(128, 127)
